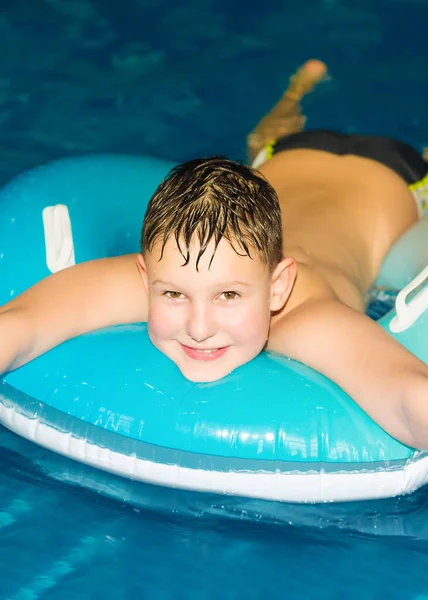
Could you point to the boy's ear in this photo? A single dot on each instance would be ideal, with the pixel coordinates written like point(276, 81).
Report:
point(142, 267)
point(283, 278)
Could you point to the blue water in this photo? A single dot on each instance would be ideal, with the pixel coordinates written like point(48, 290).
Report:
point(176, 80)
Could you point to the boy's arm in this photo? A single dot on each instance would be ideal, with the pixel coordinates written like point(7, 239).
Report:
point(71, 302)
point(385, 379)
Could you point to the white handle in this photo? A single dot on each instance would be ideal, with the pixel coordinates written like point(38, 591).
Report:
point(409, 312)
point(58, 237)
point(260, 159)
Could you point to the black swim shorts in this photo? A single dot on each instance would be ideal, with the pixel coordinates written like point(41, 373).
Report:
point(398, 156)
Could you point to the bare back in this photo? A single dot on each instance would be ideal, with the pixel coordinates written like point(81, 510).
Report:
point(341, 214)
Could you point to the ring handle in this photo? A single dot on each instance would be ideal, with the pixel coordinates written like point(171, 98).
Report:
point(58, 237)
point(409, 312)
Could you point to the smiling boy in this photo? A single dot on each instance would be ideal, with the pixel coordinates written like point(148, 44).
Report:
point(212, 266)
point(234, 260)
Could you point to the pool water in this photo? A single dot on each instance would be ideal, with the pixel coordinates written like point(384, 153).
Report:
point(63, 536)
point(177, 80)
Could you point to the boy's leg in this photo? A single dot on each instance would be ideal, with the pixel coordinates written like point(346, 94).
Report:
point(286, 116)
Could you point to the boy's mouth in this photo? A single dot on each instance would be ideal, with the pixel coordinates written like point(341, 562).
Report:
point(204, 354)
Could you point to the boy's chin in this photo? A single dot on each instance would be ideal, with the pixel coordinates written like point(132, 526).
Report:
point(209, 373)
point(205, 371)
point(205, 375)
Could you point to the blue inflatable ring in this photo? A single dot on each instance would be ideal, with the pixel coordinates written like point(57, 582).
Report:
point(273, 429)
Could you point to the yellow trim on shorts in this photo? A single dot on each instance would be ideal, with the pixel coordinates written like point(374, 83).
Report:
point(419, 184)
point(420, 193)
point(270, 149)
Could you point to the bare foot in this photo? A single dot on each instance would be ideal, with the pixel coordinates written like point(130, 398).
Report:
point(286, 116)
point(314, 68)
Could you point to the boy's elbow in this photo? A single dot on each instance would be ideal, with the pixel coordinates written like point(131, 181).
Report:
point(415, 411)
point(16, 340)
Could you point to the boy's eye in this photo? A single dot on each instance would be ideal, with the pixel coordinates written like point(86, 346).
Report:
point(230, 295)
point(172, 295)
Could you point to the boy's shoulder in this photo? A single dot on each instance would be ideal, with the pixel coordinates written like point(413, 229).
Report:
point(110, 290)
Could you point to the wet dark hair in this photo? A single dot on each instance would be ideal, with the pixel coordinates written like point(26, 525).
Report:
point(215, 198)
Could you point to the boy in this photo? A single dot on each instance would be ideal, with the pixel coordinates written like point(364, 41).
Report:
point(221, 276)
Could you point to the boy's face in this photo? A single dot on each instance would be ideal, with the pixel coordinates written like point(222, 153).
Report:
point(211, 320)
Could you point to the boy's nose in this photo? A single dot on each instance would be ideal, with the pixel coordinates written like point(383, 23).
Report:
point(200, 324)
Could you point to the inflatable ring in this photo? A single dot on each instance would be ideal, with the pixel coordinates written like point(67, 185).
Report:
point(273, 429)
